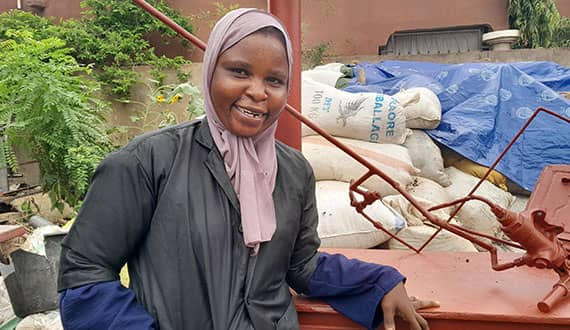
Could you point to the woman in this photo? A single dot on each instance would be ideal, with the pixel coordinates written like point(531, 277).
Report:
point(215, 219)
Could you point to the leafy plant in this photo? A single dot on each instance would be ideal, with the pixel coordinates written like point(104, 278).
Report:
point(562, 33)
point(114, 39)
point(537, 21)
point(157, 110)
point(48, 108)
point(111, 35)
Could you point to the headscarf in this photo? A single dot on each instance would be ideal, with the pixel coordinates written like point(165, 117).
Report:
point(251, 162)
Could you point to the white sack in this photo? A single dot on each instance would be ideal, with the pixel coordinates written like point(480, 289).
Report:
point(519, 203)
point(412, 215)
point(334, 67)
point(331, 163)
point(340, 226)
point(421, 107)
point(363, 116)
point(41, 321)
point(426, 156)
point(324, 75)
point(430, 191)
point(477, 215)
point(416, 236)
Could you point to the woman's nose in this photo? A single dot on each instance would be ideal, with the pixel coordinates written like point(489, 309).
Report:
point(256, 90)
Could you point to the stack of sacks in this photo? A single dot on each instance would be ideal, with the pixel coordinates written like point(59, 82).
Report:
point(339, 223)
point(370, 124)
point(388, 132)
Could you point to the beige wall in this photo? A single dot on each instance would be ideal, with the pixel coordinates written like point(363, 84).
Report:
point(563, 7)
point(360, 29)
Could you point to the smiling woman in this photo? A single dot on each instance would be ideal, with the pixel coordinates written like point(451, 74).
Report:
point(217, 220)
point(250, 90)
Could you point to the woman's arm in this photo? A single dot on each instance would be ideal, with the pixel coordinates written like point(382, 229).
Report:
point(104, 305)
point(112, 222)
point(353, 287)
point(364, 292)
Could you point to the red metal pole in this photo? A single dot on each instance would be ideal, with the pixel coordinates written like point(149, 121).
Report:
point(289, 11)
point(170, 23)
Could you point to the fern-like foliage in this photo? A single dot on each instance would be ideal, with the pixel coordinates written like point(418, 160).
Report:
point(48, 108)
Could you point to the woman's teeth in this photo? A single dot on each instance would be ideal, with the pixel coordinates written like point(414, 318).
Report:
point(249, 113)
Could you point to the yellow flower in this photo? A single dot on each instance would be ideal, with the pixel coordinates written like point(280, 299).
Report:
point(160, 98)
point(174, 99)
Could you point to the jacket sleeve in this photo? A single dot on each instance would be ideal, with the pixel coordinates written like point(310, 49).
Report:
point(304, 258)
point(353, 287)
point(106, 305)
point(113, 220)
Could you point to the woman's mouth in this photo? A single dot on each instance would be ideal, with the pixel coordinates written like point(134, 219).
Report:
point(249, 113)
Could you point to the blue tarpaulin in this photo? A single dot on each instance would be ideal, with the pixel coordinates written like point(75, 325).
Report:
point(483, 107)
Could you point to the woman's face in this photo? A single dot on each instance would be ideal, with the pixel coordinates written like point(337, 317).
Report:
point(249, 84)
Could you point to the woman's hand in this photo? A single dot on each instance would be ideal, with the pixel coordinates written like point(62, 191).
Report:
point(397, 302)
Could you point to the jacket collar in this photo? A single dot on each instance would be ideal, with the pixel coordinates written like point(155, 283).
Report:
point(215, 163)
point(204, 136)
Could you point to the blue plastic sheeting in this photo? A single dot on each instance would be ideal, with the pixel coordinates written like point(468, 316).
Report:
point(483, 107)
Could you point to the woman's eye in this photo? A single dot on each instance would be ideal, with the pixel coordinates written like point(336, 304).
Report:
point(239, 72)
point(275, 81)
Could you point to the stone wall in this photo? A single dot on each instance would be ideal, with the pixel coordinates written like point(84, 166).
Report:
point(557, 55)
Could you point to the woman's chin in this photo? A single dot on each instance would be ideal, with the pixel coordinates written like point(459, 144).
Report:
point(243, 125)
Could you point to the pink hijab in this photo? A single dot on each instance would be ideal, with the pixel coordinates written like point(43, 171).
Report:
point(251, 162)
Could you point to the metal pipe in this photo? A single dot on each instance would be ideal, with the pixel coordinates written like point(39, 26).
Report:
point(170, 23)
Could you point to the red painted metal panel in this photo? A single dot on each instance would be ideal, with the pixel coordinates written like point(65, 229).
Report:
point(472, 295)
point(289, 11)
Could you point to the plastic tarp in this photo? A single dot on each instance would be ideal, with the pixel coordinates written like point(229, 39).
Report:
point(484, 105)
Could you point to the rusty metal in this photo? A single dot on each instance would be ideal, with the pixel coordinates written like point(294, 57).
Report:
point(536, 229)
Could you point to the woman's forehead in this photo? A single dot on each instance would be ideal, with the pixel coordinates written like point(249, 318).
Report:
point(258, 46)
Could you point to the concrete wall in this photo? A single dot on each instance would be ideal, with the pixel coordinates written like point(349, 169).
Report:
point(557, 55)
